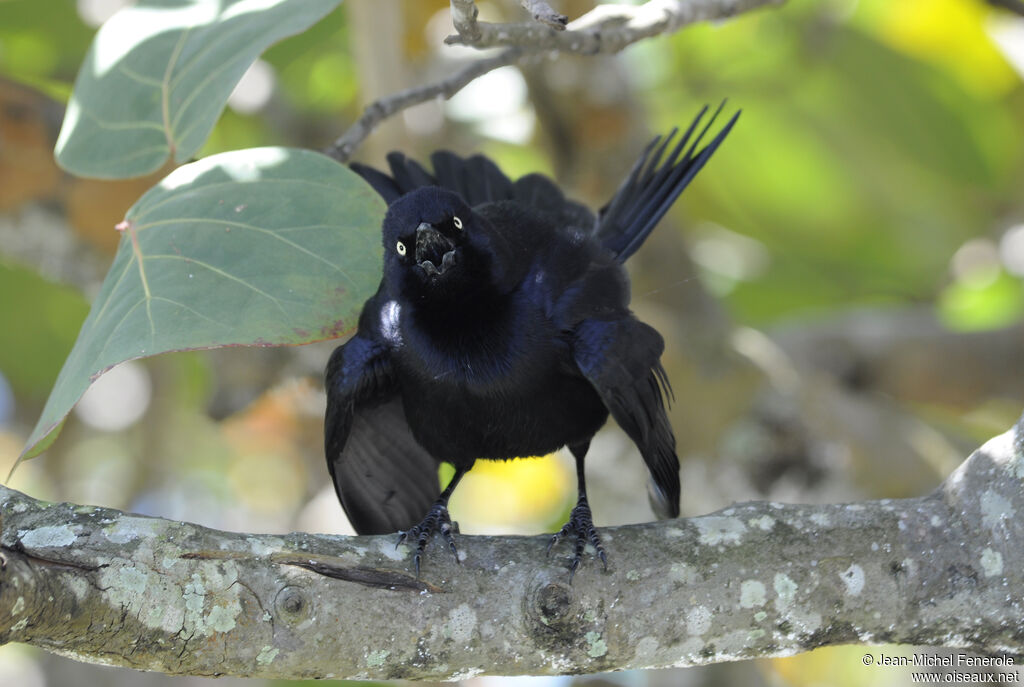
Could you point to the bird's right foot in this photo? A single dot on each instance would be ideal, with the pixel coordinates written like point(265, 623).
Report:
point(581, 526)
point(437, 520)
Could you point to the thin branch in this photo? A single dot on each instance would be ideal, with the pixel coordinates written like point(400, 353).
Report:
point(754, 580)
point(605, 30)
point(379, 110)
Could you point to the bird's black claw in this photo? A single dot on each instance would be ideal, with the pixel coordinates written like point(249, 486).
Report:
point(437, 520)
point(581, 526)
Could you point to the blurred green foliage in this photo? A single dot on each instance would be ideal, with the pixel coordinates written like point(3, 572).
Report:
point(52, 312)
point(877, 137)
point(860, 163)
point(42, 48)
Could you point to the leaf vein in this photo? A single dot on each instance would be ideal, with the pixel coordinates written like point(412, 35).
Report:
point(261, 230)
point(113, 289)
point(113, 330)
point(226, 275)
point(140, 78)
point(165, 89)
point(191, 310)
point(117, 126)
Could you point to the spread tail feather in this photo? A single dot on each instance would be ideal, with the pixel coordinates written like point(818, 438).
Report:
point(653, 186)
point(476, 178)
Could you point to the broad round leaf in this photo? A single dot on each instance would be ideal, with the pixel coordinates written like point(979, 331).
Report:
point(158, 74)
point(257, 247)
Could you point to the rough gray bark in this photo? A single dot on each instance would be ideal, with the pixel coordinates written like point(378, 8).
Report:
point(760, 579)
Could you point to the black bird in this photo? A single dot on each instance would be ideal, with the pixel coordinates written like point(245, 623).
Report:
point(500, 329)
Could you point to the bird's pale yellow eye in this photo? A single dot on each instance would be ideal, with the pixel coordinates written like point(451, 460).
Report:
point(400, 247)
point(457, 222)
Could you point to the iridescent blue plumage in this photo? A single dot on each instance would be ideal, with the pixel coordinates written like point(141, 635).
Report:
point(501, 328)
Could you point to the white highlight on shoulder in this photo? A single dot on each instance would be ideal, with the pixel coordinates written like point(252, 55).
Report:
point(390, 322)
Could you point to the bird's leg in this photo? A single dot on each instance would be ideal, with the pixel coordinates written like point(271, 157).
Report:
point(437, 519)
point(581, 524)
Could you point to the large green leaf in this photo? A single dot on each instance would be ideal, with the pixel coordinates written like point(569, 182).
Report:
point(257, 247)
point(158, 75)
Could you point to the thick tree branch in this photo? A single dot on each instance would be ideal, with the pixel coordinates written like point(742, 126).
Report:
point(760, 579)
point(605, 30)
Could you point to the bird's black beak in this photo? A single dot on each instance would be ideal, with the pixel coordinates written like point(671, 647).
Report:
point(435, 252)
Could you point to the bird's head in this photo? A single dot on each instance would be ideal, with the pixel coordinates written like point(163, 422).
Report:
point(435, 246)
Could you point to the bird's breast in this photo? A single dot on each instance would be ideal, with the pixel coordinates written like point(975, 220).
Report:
point(481, 363)
point(460, 423)
point(503, 385)
point(486, 349)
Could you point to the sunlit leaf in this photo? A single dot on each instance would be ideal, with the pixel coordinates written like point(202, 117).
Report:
point(158, 75)
point(266, 246)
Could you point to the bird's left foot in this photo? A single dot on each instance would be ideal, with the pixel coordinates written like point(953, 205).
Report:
point(437, 520)
point(581, 526)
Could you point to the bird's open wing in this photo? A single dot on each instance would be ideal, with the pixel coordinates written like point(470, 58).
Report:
point(386, 481)
point(620, 358)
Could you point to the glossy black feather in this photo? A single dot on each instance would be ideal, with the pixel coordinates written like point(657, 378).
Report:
point(653, 186)
point(620, 358)
point(501, 329)
point(384, 479)
point(408, 174)
point(389, 481)
point(381, 182)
